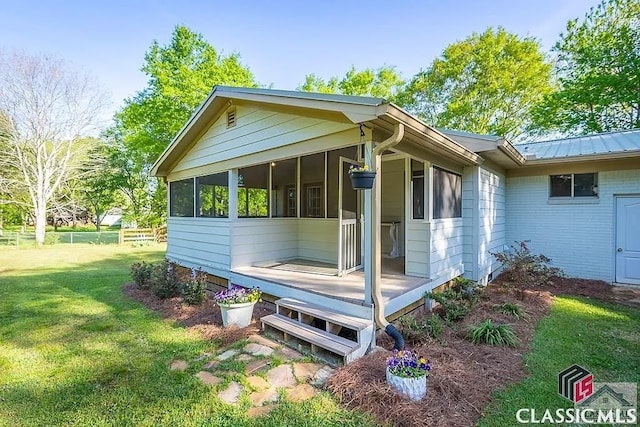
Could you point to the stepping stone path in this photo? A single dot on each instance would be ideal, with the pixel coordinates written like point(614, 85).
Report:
point(262, 381)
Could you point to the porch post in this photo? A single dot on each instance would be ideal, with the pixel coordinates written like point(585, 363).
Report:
point(370, 230)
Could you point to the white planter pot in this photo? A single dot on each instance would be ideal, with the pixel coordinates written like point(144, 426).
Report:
point(237, 314)
point(413, 388)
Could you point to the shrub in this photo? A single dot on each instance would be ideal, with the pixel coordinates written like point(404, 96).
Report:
point(418, 330)
point(512, 309)
point(488, 333)
point(456, 301)
point(524, 269)
point(141, 274)
point(194, 287)
point(165, 281)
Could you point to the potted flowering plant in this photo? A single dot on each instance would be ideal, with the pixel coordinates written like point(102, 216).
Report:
point(361, 177)
point(236, 304)
point(407, 373)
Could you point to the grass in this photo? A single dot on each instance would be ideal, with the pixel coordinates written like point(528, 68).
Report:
point(601, 337)
point(75, 351)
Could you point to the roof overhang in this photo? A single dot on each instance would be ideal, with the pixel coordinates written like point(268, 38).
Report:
point(496, 149)
point(340, 108)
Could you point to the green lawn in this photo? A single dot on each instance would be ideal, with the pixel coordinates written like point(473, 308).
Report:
point(603, 338)
point(75, 351)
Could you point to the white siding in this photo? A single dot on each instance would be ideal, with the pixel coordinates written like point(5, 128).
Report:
point(200, 242)
point(446, 246)
point(469, 204)
point(256, 130)
point(492, 223)
point(264, 239)
point(578, 237)
point(418, 249)
point(318, 239)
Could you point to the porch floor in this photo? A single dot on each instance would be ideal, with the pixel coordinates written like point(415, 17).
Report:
point(322, 278)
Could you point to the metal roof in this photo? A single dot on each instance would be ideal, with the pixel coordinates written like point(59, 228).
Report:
point(461, 133)
point(599, 145)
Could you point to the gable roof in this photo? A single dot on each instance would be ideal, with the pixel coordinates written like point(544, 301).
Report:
point(592, 147)
point(491, 147)
point(350, 109)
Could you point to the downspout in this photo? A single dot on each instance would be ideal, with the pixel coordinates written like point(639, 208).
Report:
point(376, 292)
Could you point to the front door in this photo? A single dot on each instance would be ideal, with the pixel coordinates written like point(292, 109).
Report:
point(350, 224)
point(628, 240)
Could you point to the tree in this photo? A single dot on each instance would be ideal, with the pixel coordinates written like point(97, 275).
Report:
point(50, 106)
point(181, 75)
point(598, 67)
point(383, 82)
point(487, 83)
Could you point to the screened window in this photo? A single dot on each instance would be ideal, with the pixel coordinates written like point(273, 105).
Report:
point(253, 191)
point(283, 185)
point(213, 195)
point(417, 189)
point(181, 198)
point(350, 196)
point(574, 185)
point(447, 194)
point(312, 182)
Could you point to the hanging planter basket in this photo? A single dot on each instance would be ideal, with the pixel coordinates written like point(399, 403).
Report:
point(362, 180)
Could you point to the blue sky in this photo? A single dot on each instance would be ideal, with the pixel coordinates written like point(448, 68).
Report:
point(281, 41)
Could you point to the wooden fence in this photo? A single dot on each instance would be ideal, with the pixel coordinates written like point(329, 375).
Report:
point(142, 235)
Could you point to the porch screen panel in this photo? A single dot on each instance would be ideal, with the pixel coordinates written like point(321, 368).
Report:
point(253, 191)
point(447, 194)
point(349, 199)
point(417, 189)
point(212, 193)
point(312, 186)
point(181, 198)
point(283, 188)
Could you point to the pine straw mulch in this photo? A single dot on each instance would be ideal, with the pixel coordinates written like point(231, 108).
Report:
point(204, 319)
point(464, 376)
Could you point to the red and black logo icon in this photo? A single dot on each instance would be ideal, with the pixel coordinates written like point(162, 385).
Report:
point(575, 383)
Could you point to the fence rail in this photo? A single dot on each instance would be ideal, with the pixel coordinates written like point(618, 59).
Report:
point(124, 236)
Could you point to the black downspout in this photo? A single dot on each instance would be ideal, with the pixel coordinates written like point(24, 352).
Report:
point(396, 335)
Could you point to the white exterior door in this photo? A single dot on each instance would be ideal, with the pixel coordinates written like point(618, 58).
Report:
point(628, 240)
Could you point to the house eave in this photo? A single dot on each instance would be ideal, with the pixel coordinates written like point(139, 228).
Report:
point(580, 158)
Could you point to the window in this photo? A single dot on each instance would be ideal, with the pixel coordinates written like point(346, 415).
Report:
point(181, 198)
point(312, 183)
point(253, 191)
point(283, 187)
point(574, 185)
point(213, 195)
point(447, 194)
point(417, 189)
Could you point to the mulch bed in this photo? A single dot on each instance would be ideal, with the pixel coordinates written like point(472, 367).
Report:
point(205, 319)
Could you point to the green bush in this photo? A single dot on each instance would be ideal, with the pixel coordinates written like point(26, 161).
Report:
point(456, 301)
point(512, 309)
point(141, 274)
point(488, 333)
point(194, 287)
point(524, 269)
point(418, 330)
point(165, 280)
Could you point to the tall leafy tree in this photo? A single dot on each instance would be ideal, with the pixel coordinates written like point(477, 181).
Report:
point(487, 83)
point(384, 82)
point(181, 74)
point(598, 67)
point(50, 106)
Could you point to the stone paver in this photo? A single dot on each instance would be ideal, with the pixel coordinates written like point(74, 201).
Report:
point(227, 354)
point(244, 358)
point(208, 379)
point(203, 356)
point(263, 341)
point(321, 377)
point(258, 383)
point(259, 411)
point(179, 365)
point(301, 393)
point(211, 365)
point(258, 349)
point(231, 393)
point(281, 376)
point(261, 397)
point(305, 371)
point(256, 365)
point(288, 353)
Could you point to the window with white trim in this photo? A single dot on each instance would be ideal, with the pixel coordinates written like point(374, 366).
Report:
point(181, 198)
point(573, 185)
point(447, 194)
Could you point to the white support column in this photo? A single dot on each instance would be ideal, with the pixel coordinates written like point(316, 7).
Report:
point(233, 194)
point(370, 232)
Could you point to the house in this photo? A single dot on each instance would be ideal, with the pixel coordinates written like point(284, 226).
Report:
point(259, 195)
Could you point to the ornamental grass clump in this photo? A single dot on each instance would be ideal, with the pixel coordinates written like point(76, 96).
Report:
point(237, 295)
point(406, 364)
